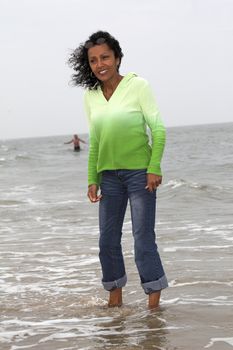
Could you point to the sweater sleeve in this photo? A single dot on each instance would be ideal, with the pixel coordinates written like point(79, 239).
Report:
point(93, 176)
point(153, 120)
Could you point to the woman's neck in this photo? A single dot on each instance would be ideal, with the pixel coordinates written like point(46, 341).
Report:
point(110, 86)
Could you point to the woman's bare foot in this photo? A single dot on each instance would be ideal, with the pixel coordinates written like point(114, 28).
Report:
point(154, 300)
point(115, 297)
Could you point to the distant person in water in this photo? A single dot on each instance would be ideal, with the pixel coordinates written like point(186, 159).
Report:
point(76, 141)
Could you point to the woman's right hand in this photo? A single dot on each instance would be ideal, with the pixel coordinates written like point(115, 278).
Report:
point(93, 193)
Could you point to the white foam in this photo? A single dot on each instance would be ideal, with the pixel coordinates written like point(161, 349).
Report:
point(173, 283)
point(195, 248)
point(42, 324)
point(205, 229)
point(171, 301)
point(170, 249)
point(89, 261)
point(8, 336)
point(215, 340)
point(188, 239)
point(70, 202)
point(24, 189)
point(63, 336)
point(22, 347)
point(174, 183)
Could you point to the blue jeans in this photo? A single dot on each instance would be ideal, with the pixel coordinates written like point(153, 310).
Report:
point(117, 186)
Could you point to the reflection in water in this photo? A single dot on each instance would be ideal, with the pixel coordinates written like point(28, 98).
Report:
point(129, 330)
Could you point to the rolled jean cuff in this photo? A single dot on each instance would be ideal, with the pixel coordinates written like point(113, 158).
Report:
point(155, 286)
point(121, 282)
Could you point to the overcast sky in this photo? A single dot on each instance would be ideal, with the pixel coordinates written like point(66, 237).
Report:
point(183, 47)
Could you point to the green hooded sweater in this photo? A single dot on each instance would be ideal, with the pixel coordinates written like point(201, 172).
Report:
point(119, 129)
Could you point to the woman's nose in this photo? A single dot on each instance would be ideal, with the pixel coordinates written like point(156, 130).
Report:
point(99, 63)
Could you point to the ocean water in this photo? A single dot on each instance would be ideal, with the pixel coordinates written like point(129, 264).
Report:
point(50, 291)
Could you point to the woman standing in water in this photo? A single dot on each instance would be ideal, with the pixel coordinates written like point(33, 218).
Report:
point(121, 163)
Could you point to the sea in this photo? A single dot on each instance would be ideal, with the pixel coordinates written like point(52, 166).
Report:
point(51, 296)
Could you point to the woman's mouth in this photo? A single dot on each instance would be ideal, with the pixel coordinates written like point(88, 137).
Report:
point(102, 72)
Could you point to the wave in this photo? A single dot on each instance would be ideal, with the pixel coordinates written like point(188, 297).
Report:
point(23, 189)
point(197, 190)
point(175, 283)
point(197, 248)
point(8, 202)
point(22, 157)
point(192, 185)
point(4, 148)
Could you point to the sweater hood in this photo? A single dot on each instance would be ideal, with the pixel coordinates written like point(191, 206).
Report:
point(128, 77)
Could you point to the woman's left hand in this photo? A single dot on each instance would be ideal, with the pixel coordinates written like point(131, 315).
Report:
point(153, 181)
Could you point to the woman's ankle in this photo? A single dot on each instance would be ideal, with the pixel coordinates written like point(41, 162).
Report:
point(154, 299)
point(115, 297)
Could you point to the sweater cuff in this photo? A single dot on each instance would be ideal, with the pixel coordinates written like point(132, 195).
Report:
point(94, 180)
point(154, 169)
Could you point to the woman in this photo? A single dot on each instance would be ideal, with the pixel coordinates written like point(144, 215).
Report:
point(121, 162)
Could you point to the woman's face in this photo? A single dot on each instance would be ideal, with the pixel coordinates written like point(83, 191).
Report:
point(103, 62)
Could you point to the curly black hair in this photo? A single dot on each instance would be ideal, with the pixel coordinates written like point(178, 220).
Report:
point(79, 59)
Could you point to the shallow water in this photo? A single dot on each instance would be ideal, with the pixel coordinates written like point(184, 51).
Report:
point(50, 292)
